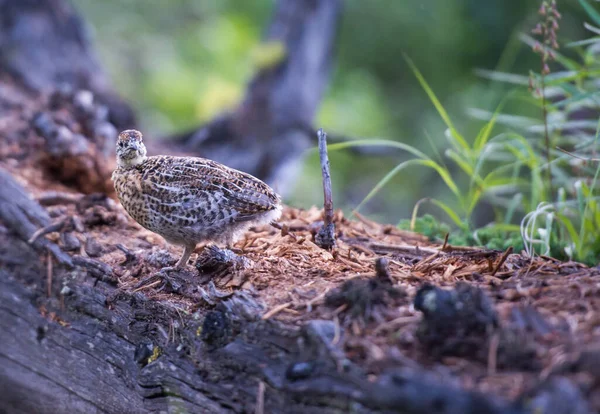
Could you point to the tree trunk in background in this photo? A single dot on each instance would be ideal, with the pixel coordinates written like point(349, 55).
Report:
point(271, 129)
point(45, 45)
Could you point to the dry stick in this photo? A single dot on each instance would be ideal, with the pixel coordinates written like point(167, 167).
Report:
point(260, 399)
point(48, 229)
point(502, 260)
point(445, 241)
point(396, 323)
point(402, 248)
point(285, 230)
point(381, 270)
point(276, 310)
point(493, 354)
point(325, 238)
point(49, 274)
point(150, 285)
point(51, 198)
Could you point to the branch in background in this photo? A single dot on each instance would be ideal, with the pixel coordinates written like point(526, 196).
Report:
point(46, 44)
point(325, 237)
point(270, 131)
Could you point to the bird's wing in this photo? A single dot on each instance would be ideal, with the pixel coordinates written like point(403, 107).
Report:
point(199, 178)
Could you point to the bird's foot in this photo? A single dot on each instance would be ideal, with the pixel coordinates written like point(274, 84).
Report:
point(170, 278)
point(234, 250)
point(215, 261)
point(165, 278)
point(167, 269)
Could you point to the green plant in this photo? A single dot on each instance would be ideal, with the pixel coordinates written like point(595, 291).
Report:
point(564, 226)
point(513, 169)
point(546, 48)
point(492, 165)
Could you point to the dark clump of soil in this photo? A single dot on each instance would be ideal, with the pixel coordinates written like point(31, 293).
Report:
point(367, 298)
point(462, 322)
point(456, 322)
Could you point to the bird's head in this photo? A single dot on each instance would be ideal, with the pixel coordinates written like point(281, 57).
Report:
point(131, 150)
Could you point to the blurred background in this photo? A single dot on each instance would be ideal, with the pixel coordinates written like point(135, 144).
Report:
point(182, 62)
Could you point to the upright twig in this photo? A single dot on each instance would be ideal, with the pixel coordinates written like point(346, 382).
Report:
point(325, 237)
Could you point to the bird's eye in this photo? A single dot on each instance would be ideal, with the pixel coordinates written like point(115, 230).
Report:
point(121, 144)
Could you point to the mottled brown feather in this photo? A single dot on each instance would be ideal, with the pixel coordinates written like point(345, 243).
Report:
point(188, 200)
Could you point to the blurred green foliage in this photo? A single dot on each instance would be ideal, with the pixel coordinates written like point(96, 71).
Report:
point(183, 61)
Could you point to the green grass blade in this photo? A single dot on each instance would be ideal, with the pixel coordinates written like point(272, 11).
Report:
point(594, 15)
point(376, 143)
point(385, 180)
point(484, 134)
point(458, 159)
point(450, 212)
point(437, 104)
point(568, 225)
point(588, 201)
point(512, 207)
point(444, 207)
point(444, 174)
point(585, 42)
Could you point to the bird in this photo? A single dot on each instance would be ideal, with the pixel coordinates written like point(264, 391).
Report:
point(189, 200)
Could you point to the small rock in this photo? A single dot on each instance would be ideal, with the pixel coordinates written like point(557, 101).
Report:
point(92, 247)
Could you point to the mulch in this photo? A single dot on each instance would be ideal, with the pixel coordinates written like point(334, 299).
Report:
point(498, 322)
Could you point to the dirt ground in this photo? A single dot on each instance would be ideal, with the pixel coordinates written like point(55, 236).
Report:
point(493, 321)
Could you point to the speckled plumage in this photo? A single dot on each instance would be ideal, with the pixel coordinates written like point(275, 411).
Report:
point(188, 200)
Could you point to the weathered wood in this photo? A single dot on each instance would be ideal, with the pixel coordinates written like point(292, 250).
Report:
point(82, 353)
point(325, 237)
point(23, 215)
point(89, 364)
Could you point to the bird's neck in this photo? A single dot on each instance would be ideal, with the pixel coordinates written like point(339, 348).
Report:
point(129, 163)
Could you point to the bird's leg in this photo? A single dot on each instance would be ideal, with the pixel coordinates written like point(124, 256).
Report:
point(164, 272)
point(229, 244)
point(187, 252)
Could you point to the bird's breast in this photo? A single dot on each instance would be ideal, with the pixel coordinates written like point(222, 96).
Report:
point(128, 186)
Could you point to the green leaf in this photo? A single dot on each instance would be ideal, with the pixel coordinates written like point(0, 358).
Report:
point(510, 78)
point(512, 207)
point(447, 209)
point(376, 143)
point(385, 180)
point(564, 220)
point(585, 42)
point(463, 164)
point(438, 105)
point(444, 174)
point(485, 132)
point(594, 15)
